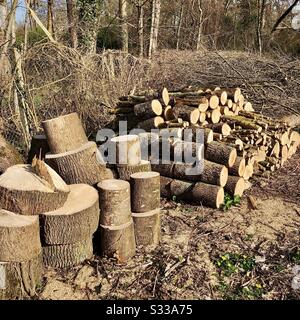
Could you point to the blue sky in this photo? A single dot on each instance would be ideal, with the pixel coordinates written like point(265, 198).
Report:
point(20, 11)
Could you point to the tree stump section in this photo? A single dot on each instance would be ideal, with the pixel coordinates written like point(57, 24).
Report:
point(19, 280)
point(128, 149)
point(68, 255)
point(235, 186)
point(147, 228)
point(64, 133)
point(116, 224)
point(145, 191)
point(81, 165)
point(126, 171)
point(209, 195)
point(19, 237)
point(39, 148)
point(221, 153)
point(34, 194)
point(76, 221)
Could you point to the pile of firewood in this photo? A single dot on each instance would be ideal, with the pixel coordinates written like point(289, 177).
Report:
point(239, 142)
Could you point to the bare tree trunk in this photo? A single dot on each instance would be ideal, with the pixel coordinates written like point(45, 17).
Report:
point(178, 31)
point(199, 39)
point(261, 5)
point(124, 24)
point(3, 16)
point(140, 8)
point(72, 22)
point(50, 18)
point(156, 8)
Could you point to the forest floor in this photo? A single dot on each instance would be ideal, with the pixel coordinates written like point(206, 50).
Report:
point(211, 254)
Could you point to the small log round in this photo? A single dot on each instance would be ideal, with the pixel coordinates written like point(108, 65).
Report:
point(222, 94)
point(75, 221)
point(169, 113)
point(235, 186)
point(215, 116)
point(19, 237)
point(19, 280)
point(145, 191)
point(238, 169)
point(81, 165)
point(118, 241)
point(114, 199)
point(249, 170)
point(165, 96)
point(209, 195)
point(128, 149)
point(125, 171)
point(220, 153)
point(203, 104)
point(68, 255)
point(234, 94)
point(214, 101)
point(187, 113)
point(35, 194)
point(148, 110)
point(147, 228)
point(64, 133)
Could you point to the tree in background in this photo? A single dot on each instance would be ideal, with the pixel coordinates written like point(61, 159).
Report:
point(156, 10)
point(124, 24)
point(50, 18)
point(72, 22)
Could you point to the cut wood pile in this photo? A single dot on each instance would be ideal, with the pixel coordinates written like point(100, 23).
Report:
point(239, 142)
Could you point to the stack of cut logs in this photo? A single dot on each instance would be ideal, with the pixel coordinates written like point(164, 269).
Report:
point(239, 142)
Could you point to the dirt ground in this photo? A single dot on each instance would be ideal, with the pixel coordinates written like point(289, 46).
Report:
point(205, 254)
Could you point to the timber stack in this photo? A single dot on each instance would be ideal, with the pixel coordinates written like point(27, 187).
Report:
point(239, 142)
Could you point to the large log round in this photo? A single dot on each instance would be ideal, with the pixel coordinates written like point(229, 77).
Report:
point(147, 228)
point(68, 255)
point(145, 191)
point(64, 133)
point(19, 280)
point(81, 165)
point(75, 221)
point(23, 191)
point(19, 237)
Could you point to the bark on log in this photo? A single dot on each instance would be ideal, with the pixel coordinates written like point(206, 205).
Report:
point(64, 133)
point(194, 134)
point(82, 165)
point(208, 195)
point(187, 113)
point(148, 110)
point(234, 94)
point(68, 255)
point(220, 153)
point(238, 169)
point(152, 123)
point(34, 195)
point(147, 228)
point(75, 221)
point(115, 206)
point(235, 186)
point(145, 191)
point(19, 237)
point(128, 149)
point(209, 172)
point(171, 188)
point(19, 280)
point(222, 128)
point(125, 171)
point(118, 241)
point(165, 170)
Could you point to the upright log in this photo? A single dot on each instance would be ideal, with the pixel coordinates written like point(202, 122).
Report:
point(65, 133)
point(147, 228)
point(125, 171)
point(145, 191)
point(116, 224)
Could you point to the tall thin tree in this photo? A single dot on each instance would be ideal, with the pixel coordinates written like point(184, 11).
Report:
point(72, 22)
point(124, 24)
point(155, 20)
point(50, 18)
